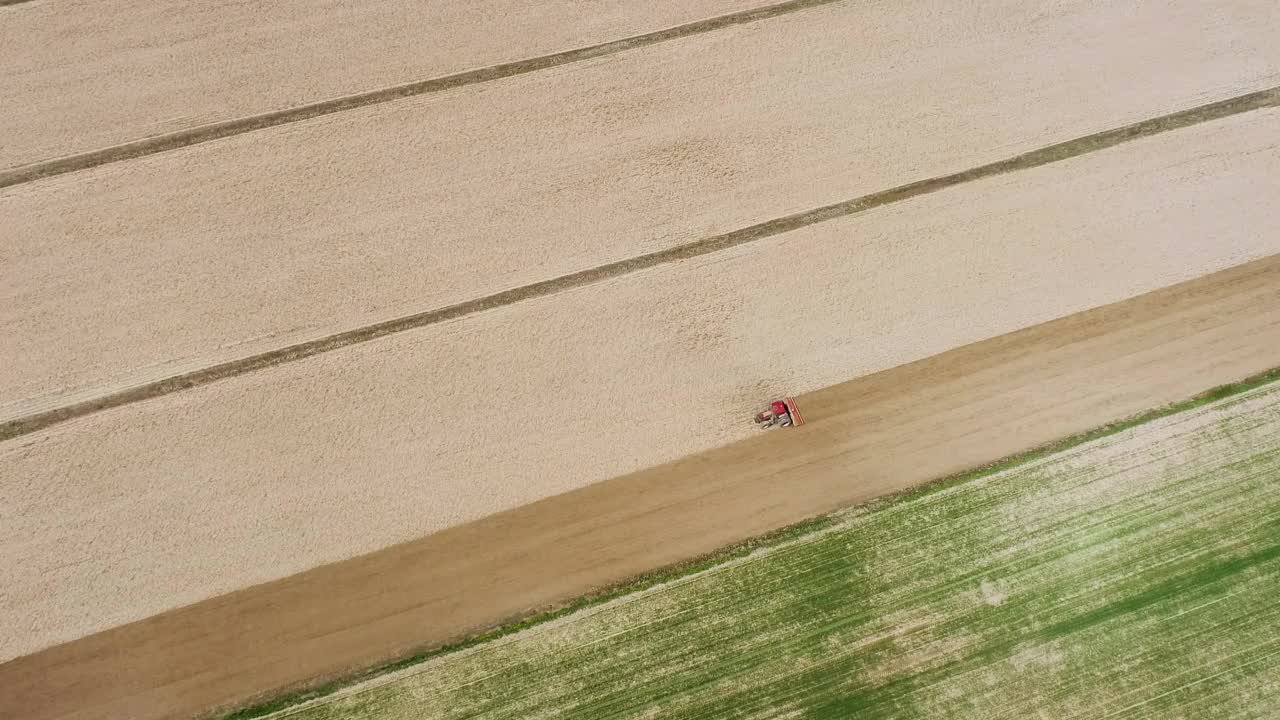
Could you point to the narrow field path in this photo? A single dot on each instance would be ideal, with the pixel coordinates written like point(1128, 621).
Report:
point(872, 436)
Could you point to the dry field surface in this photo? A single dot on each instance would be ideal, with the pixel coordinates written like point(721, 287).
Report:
point(273, 472)
point(351, 280)
point(866, 438)
point(98, 73)
point(1132, 577)
point(135, 271)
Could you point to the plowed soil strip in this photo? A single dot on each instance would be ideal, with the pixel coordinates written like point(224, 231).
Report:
point(879, 434)
point(1036, 158)
point(214, 131)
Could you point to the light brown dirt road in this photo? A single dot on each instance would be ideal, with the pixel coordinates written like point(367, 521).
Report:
point(94, 74)
point(149, 268)
point(865, 438)
point(268, 474)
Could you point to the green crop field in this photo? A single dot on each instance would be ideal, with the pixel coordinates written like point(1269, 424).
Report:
point(1134, 576)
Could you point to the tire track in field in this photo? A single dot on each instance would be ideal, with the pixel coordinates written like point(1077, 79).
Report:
point(238, 126)
point(1268, 98)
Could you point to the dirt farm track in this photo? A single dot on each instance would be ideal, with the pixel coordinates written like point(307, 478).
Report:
point(335, 334)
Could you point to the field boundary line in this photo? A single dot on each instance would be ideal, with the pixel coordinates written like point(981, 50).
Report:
point(239, 126)
point(33, 422)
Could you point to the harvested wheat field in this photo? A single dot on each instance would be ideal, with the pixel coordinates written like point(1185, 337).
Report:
point(336, 334)
point(354, 218)
point(204, 65)
point(1133, 576)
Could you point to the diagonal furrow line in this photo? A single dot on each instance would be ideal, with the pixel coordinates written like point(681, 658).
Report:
point(1043, 156)
point(238, 126)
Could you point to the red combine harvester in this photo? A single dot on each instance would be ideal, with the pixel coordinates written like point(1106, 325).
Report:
point(781, 413)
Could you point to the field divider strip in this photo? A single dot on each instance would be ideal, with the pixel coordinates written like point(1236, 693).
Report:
point(238, 126)
point(1268, 98)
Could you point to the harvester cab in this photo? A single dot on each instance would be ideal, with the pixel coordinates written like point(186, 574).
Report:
point(781, 413)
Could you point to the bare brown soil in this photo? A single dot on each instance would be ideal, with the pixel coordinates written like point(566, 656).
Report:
point(865, 438)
